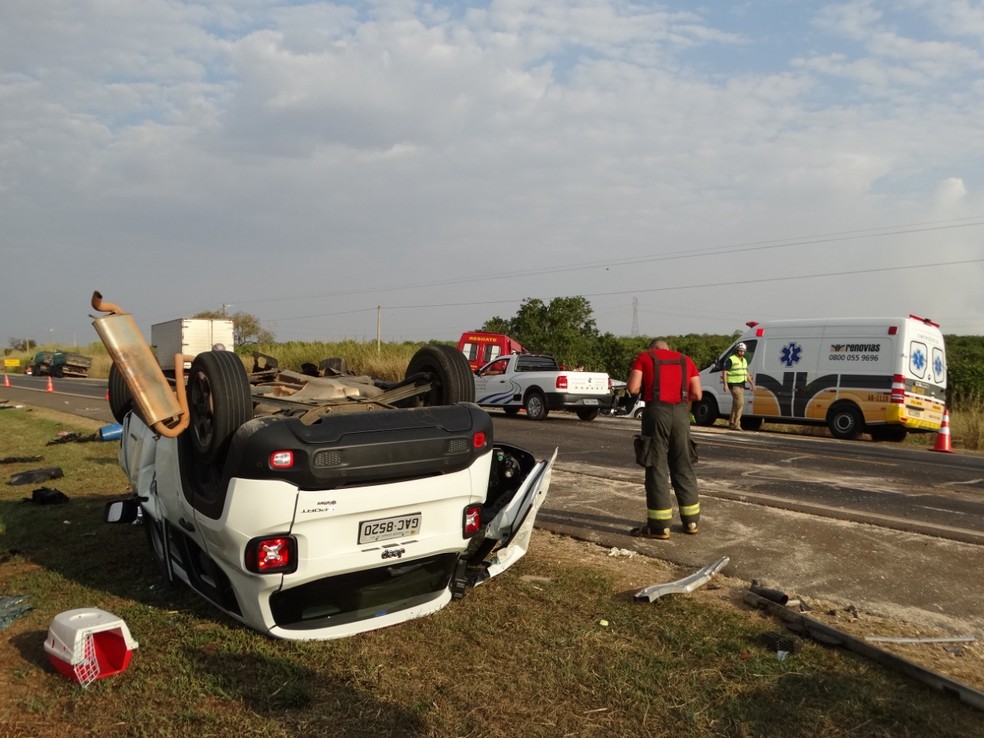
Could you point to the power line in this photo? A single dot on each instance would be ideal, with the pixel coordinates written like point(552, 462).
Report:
point(743, 247)
point(670, 288)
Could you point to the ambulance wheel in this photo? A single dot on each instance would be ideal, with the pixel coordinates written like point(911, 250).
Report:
point(450, 376)
point(844, 422)
point(536, 405)
point(511, 410)
point(705, 410)
point(219, 401)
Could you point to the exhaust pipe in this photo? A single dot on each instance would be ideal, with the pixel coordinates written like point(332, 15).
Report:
point(160, 409)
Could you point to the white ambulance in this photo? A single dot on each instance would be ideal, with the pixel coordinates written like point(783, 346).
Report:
point(883, 376)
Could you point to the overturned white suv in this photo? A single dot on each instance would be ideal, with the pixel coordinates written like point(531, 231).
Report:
point(315, 507)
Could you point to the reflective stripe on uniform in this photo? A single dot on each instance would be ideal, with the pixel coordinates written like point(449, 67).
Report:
point(660, 515)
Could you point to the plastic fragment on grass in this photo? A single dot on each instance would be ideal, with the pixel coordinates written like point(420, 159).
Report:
point(20, 459)
point(682, 586)
point(36, 476)
point(11, 608)
point(621, 552)
point(72, 437)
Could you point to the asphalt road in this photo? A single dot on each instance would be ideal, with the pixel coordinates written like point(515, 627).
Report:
point(883, 527)
point(888, 529)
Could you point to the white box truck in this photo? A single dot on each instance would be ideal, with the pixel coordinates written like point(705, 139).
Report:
point(883, 376)
point(190, 336)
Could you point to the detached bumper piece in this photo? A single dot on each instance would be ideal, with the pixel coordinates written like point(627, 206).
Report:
point(682, 586)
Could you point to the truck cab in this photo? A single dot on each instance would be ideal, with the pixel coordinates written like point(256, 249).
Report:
point(481, 347)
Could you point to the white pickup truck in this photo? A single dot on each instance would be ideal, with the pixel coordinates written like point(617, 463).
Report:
point(535, 383)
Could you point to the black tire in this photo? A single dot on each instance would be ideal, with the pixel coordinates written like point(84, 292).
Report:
point(638, 413)
point(845, 422)
point(705, 410)
point(750, 424)
point(536, 405)
point(120, 397)
point(219, 401)
point(588, 413)
point(511, 410)
point(451, 378)
point(58, 372)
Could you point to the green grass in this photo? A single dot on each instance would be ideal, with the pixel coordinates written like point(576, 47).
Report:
point(523, 655)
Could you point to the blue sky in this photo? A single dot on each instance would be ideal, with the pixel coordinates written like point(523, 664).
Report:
point(685, 167)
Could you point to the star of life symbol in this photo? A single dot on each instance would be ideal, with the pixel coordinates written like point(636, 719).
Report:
point(790, 354)
point(938, 366)
point(919, 359)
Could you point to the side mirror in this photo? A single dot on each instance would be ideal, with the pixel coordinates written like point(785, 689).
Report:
point(122, 511)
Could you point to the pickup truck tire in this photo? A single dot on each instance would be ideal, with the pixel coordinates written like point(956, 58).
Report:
point(219, 401)
point(120, 397)
point(536, 405)
point(451, 377)
point(588, 413)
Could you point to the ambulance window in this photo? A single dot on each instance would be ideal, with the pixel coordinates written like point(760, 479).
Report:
point(470, 350)
point(939, 366)
point(918, 359)
point(494, 351)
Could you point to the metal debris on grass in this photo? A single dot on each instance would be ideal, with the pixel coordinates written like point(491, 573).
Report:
point(681, 586)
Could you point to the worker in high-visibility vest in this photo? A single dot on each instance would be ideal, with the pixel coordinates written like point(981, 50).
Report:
point(734, 377)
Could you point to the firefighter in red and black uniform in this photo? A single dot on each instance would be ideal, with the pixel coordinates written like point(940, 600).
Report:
point(667, 393)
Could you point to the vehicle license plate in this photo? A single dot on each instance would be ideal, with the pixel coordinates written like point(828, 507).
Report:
point(383, 529)
point(590, 402)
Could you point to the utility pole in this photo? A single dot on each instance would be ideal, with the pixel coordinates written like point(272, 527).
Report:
point(379, 321)
point(635, 317)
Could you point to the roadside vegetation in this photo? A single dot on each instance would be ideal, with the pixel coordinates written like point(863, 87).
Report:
point(555, 647)
point(564, 327)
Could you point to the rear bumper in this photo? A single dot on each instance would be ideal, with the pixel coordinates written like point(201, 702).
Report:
point(570, 401)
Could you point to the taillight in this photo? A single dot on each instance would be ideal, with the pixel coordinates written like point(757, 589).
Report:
point(272, 555)
point(479, 440)
point(561, 381)
point(898, 389)
point(282, 460)
point(471, 522)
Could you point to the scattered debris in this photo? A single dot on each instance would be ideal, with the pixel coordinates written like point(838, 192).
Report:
point(770, 594)
point(621, 552)
point(782, 643)
point(827, 634)
point(36, 476)
point(47, 496)
point(73, 438)
point(682, 586)
point(19, 459)
point(11, 608)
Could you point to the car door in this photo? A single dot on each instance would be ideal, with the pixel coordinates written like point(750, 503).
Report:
point(512, 526)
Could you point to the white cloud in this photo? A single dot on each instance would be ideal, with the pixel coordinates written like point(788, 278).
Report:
point(325, 158)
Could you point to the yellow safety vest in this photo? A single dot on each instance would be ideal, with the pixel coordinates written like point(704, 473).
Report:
point(738, 373)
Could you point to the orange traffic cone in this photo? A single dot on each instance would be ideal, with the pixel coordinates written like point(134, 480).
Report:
point(50, 387)
point(943, 436)
point(6, 381)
